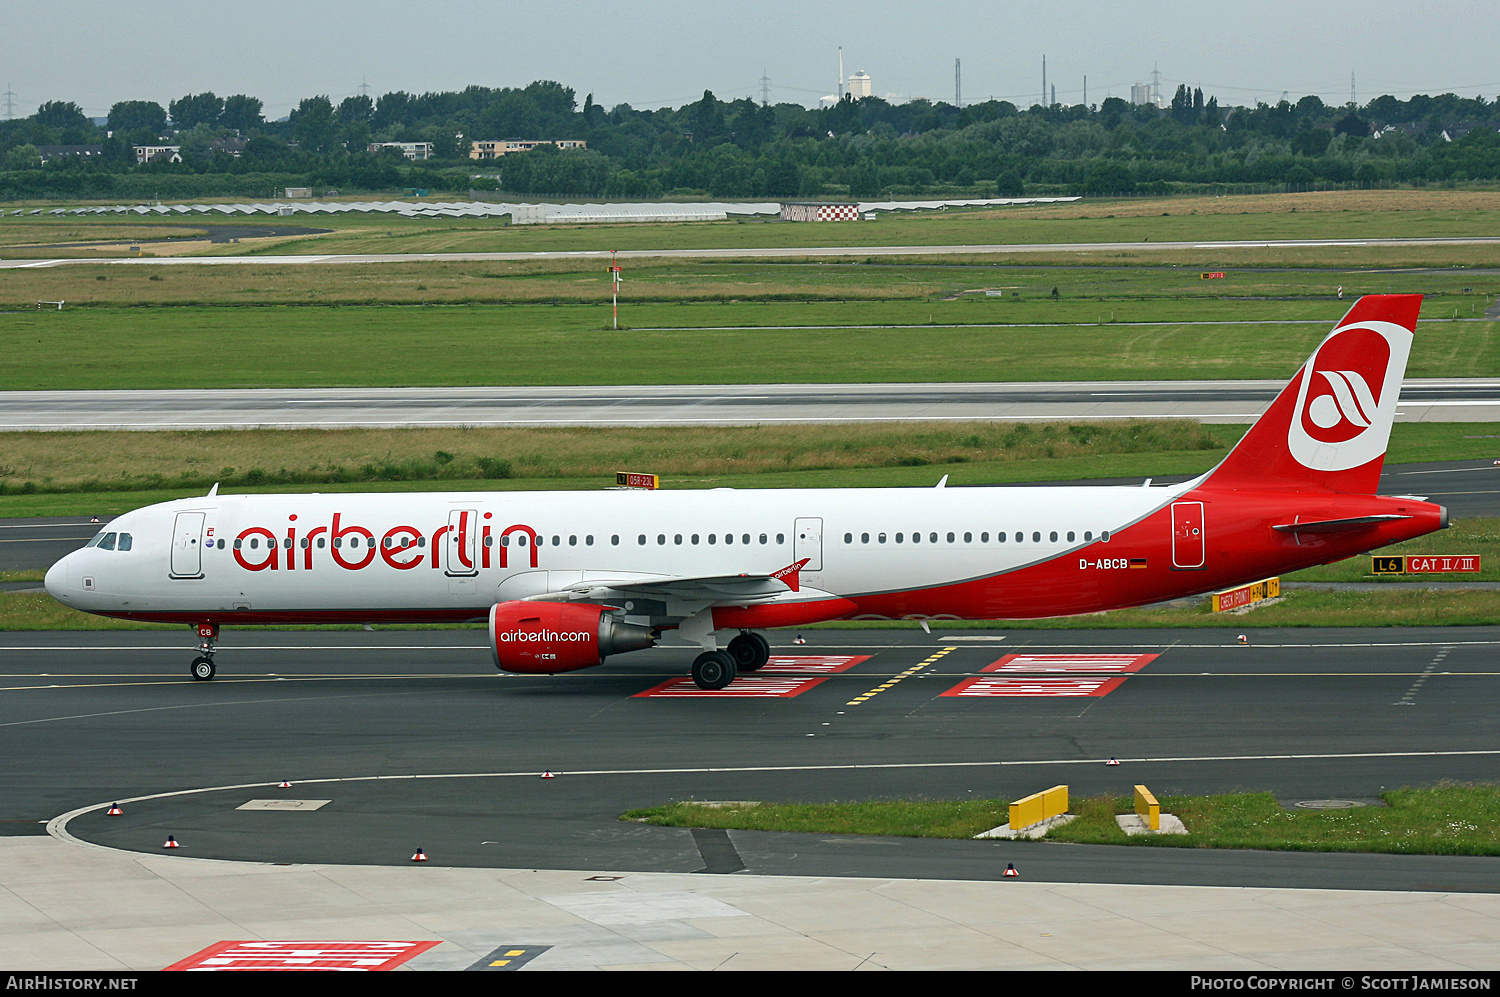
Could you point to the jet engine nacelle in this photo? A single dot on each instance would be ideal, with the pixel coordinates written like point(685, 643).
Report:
point(549, 637)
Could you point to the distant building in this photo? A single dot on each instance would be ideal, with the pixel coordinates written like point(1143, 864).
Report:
point(158, 154)
point(859, 85)
point(410, 150)
point(1140, 93)
point(819, 211)
point(503, 147)
point(85, 152)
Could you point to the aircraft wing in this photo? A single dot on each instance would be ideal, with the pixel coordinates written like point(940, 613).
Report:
point(707, 590)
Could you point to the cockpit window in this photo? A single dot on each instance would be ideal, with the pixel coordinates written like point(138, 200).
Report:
point(107, 542)
point(111, 541)
point(124, 543)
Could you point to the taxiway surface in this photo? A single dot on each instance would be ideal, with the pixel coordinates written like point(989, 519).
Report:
point(394, 742)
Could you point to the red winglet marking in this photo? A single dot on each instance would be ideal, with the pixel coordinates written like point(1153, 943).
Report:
point(789, 574)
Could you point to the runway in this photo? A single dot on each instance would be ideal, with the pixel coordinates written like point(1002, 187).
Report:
point(788, 252)
point(1422, 400)
point(413, 741)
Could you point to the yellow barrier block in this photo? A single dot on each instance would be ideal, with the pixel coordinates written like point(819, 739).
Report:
point(1147, 809)
point(1038, 807)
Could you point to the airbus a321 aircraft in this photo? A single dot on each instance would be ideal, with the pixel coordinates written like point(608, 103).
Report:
point(566, 578)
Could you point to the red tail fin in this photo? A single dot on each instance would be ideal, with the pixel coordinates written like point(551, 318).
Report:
point(1330, 426)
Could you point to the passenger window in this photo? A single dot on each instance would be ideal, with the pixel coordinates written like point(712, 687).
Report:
point(781, 538)
point(968, 538)
point(882, 538)
point(984, 537)
point(864, 538)
point(1053, 536)
point(848, 538)
point(950, 538)
point(899, 536)
point(1036, 538)
point(1070, 536)
point(572, 541)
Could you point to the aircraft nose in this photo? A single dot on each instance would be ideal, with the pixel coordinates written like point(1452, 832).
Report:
point(59, 579)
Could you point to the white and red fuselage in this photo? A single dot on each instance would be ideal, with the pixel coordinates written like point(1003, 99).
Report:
point(554, 570)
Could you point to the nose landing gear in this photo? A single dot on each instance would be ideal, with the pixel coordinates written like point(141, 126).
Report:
point(203, 666)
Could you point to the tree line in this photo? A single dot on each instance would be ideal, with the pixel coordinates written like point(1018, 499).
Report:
point(862, 148)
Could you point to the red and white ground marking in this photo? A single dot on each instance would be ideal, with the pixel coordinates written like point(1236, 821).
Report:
point(743, 687)
point(262, 955)
point(1092, 664)
point(827, 664)
point(996, 686)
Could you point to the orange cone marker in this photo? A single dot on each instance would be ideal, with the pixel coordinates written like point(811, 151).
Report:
point(419, 857)
point(1112, 760)
point(171, 842)
point(548, 775)
point(114, 810)
point(1010, 871)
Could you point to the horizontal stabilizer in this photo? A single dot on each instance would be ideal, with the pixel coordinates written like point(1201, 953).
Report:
point(1337, 525)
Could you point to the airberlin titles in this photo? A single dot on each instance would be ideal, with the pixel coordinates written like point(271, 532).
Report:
point(258, 548)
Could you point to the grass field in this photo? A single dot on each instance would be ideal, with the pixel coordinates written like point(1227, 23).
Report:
point(141, 467)
point(1334, 214)
point(1446, 819)
point(207, 347)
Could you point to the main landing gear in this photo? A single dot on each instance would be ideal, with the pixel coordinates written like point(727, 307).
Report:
point(203, 666)
point(745, 653)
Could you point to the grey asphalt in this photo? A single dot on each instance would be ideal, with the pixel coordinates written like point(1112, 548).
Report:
point(415, 742)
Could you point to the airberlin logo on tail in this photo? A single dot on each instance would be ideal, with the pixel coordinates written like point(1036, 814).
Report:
point(1347, 398)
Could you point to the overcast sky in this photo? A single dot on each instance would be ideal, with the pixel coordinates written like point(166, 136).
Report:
point(656, 53)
